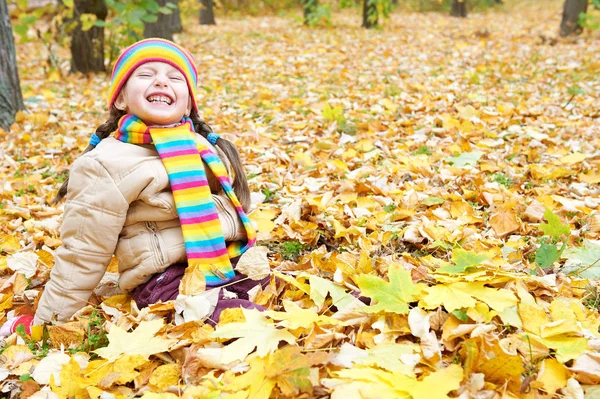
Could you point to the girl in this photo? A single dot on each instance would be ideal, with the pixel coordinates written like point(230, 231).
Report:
point(165, 195)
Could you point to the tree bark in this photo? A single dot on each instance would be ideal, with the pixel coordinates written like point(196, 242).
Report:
point(570, 18)
point(370, 14)
point(87, 48)
point(459, 8)
point(176, 18)
point(164, 25)
point(207, 14)
point(309, 8)
point(11, 99)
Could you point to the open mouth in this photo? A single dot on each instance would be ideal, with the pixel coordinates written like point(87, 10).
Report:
point(160, 99)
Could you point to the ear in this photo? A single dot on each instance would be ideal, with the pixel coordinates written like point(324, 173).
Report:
point(120, 102)
point(189, 106)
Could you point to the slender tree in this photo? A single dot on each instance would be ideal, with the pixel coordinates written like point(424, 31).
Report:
point(176, 18)
point(310, 8)
point(87, 47)
point(459, 8)
point(570, 18)
point(207, 14)
point(11, 99)
point(370, 14)
point(164, 27)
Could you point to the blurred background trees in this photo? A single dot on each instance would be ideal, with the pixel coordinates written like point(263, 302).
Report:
point(11, 99)
point(96, 30)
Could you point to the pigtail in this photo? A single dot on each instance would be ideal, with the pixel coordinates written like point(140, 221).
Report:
point(103, 131)
point(240, 184)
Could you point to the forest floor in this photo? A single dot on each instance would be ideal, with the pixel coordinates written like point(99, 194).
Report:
point(446, 168)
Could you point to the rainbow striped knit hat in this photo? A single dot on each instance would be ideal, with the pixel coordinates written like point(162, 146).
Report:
point(149, 50)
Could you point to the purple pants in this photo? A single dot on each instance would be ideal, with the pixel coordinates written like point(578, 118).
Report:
point(165, 287)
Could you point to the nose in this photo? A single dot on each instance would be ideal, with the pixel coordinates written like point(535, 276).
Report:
point(161, 80)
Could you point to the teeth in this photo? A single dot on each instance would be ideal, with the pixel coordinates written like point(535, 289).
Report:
point(162, 99)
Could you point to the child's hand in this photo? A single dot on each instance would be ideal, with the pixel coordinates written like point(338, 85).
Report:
point(11, 325)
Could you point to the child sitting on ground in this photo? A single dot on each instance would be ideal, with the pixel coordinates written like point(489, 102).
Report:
point(165, 195)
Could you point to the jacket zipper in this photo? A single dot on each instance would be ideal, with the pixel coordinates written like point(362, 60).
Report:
point(154, 231)
point(227, 216)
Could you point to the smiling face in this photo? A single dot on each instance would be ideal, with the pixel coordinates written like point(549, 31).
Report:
point(157, 93)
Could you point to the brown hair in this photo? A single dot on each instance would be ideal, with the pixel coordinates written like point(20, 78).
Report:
point(240, 184)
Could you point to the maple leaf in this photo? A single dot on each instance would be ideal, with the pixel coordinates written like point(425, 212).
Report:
point(388, 356)
point(546, 255)
point(384, 384)
point(554, 228)
point(107, 373)
point(464, 261)
point(257, 332)
point(141, 341)
point(462, 295)
point(73, 383)
point(465, 159)
point(295, 317)
point(320, 287)
point(393, 296)
point(288, 368)
point(291, 369)
point(583, 261)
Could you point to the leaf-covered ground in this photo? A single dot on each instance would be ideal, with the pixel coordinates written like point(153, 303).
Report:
point(445, 168)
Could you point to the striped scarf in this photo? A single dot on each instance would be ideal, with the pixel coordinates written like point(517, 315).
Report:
point(182, 156)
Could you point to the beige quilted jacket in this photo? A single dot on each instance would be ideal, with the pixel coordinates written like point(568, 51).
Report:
point(119, 202)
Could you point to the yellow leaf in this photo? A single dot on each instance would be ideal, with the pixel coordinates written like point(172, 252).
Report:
point(141, 341)
point(9, 243)
point(295, 317)
point(259, 385)
point(502, 368)
point(389, 105)
point(304, 159)
point(257, 332)
point(67, 334)
point(338, 164)
point(504, 222)
point(567, 347)
point(552, 376)
point(165, 376)
point(121, 371)
point(384, 384)
point(13, 351)
point(559, 327)
point(533, 317)
point(193, 281)
point(163, 395)
point(451, 297)
point(571, 159)
point(590, 178)
point(6, 301)
point(263, 219)
point(72, 383)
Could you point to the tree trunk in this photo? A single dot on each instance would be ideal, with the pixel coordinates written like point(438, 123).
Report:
point(87, 48)
point(459, 8)
point(570, 18)
point(370, 14)
point(11, 99)
point(176, 18)
point(207, 14)
point(310, 8)
point(163, 27)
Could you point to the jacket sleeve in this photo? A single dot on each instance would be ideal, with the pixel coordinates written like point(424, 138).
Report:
point(93, 219)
